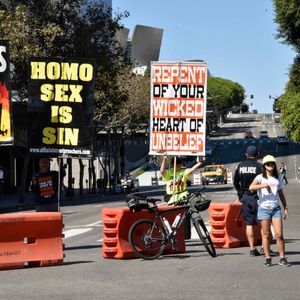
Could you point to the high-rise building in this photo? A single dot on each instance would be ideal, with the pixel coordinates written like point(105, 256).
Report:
point(143, 47)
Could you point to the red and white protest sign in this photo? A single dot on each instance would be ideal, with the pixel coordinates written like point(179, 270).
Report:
point(178, 108)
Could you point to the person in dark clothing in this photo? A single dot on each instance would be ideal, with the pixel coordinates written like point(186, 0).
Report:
point(283, 170)
point(44, 185)
point(2, 177)
point(243, 177)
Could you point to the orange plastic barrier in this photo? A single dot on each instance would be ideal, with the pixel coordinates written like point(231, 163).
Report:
point(226, 230)
point(33, 239)
point(116, 225)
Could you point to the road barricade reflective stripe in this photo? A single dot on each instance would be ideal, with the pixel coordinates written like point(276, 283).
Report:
point(116, 225)
point(33, 239)
point(228, 231)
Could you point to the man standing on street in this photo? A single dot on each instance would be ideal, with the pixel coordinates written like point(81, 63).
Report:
point(45, 186)
point(243, 177)
point(1, 180)
point(283, 170)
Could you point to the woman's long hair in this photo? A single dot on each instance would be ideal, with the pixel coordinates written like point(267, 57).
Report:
point(275, 172)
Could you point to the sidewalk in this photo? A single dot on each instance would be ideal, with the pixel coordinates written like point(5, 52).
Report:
point(12, 203)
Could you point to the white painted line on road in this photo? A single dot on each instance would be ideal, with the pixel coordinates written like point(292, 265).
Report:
point(194, 234)
point(295, 166)
point(98, 205)
point(96, 224)
point(93, 224)
point(68, 212)
point(74, 226)
point(73, 232)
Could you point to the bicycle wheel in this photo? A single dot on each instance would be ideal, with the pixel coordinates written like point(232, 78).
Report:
point(147, 239)
point(204, 236)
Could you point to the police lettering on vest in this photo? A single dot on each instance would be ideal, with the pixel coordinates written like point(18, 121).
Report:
point(248, 170)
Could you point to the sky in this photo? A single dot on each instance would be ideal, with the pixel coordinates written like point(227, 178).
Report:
point(236, 38)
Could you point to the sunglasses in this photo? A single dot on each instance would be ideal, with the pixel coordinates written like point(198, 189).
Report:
point(270, 164)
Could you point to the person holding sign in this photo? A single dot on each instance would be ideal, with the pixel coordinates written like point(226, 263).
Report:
point(44, 185)
point(176, 188)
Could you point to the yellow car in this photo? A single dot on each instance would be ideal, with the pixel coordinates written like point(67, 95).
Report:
point(214, 174)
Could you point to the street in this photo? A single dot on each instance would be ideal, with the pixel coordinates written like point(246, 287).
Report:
point(233, 274)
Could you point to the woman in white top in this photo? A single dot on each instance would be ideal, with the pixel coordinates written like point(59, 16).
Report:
point(269, 188)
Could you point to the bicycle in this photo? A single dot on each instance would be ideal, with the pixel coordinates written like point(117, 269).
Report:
point(149, 237)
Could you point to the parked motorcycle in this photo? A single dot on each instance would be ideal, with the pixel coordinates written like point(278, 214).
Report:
point(129, 185)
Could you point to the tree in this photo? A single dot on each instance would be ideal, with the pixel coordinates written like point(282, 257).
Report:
point(244, 108)
point(290, 114)
point(23, 32)
point(277, 105)
point(224, 93)
point(64, 29)
point(287, 16)
point(293, 85)
point(132, 114)
point(69, 28)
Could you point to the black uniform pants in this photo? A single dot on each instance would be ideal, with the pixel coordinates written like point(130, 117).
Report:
point(249, 209)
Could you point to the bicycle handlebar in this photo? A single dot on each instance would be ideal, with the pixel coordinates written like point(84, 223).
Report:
point(154, 200)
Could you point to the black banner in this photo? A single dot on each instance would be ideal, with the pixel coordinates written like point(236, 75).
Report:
point(6, 137)
point(60, 107)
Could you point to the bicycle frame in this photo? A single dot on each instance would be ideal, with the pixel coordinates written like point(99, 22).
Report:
point(159, 215)
point(148, 237)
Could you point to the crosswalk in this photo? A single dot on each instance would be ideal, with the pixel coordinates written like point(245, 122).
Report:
point(238, 142)
point(77, 231)
point(72, 231)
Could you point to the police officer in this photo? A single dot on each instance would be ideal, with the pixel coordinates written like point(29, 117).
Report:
point(243, 177)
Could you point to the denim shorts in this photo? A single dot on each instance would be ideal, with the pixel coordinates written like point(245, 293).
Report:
point(269, 213)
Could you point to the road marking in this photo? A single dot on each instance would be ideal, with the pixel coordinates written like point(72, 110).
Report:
point(68, 212)
point(98, 205)
point(93, 224)
point(73, 232)
point(97, 224)
point(194, 234)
